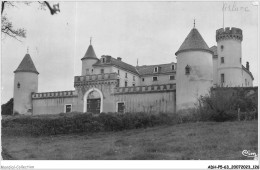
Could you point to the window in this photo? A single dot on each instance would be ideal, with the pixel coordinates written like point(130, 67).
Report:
point(187, 70)
point(68, 108)
point(102, 71)
point(103, 60)
point(118, 72)
point(142, 79)
point(125, 83)
point(245, 82)
point(92, 70)
point(222, 59)
point(120, 107)
point(118, 83)
point(156, 69)
point(134, 84)
point(133, 78)
point(172, 77)
point(222, 47)
point(222, 79)
point(18, 85)
point(173, 67)
point(125, 75)
point(240, 60)
point(154, 78)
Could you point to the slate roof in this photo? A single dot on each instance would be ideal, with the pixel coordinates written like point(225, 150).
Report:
point(193, 41)
point(214, 49)
point(26, 65)
point(149, 69)
point(90, 54)
point(118, 63)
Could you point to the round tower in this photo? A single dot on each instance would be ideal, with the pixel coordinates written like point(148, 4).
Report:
point(88, 60)
point(194, 70)
point(25, 83)
point(229, 57)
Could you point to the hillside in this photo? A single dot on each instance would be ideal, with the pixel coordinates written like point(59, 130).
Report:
point(203, 140)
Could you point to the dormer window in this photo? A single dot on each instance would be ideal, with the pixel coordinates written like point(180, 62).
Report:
point(156, 69)
point(187, 70)
point(173, 67)
point(103, 60)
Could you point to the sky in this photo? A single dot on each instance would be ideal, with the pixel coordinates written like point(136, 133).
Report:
point(148, 31)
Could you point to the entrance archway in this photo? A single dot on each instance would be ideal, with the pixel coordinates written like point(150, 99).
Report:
point(93, 101)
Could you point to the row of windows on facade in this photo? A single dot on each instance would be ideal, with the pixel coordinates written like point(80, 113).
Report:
point(143, 79)
point(223, 60)
point(223, 80)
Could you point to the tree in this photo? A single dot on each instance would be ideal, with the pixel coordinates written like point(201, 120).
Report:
point(7, 27)
point(7, 108)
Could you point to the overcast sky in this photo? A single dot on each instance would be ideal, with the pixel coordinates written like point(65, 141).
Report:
point(149, 31)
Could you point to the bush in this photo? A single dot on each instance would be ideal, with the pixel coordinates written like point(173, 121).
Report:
point(222, 104)
point(7, 108)
point(86, 122)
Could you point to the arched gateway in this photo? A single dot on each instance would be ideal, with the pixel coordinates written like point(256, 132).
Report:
point(93, 101)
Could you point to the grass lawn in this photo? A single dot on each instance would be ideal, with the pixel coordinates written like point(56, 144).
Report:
point(203, 140)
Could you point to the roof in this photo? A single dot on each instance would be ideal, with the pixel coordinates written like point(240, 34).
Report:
point(149, 70)
point(214, 49)
point(90, 54)
point(26, 65)
point(194, 42)
point(118, 63)
point(246, 70)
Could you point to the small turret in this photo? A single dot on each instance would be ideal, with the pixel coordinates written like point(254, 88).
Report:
point(25, 83)
point(88, 60)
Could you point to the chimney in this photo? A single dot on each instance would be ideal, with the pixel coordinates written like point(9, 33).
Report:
point(247, 66)
point(119, 58)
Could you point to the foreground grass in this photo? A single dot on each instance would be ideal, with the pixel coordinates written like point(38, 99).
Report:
point(203, 140)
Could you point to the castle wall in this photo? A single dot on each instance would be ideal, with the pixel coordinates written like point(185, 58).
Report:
point(54, 102)
point(149, 99)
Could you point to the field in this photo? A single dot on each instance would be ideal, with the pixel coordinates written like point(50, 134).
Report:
point(202, 140)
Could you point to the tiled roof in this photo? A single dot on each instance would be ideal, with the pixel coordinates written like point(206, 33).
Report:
point(26, 65)
point(149, 69)
point(244, 68)
point(214, 49)
point(193, 41)
point(117, 63)
point(90, 54)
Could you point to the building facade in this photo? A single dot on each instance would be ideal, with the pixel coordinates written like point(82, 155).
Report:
point(108, 84)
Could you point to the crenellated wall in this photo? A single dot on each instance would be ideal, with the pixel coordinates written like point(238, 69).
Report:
point(54, 102)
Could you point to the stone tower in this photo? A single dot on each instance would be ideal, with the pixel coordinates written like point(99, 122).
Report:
point(194, 70)
point(88, 60)
point(25, 83)
point(230, 57)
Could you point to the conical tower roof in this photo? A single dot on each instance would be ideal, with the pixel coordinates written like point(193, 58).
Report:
point(194, 42)
point(90, 54)
point(26, 65)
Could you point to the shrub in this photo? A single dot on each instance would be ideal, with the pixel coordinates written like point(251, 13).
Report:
point(222, 104)
point(86, 122)
point(7, 108)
